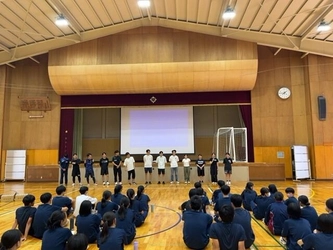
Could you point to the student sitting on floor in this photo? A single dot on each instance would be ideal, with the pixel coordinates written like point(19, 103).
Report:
point(24, 216)
point(136, 206)
point(308, 212)
point(83, 197)
point(106, 205)
point(243, 218)
point(260, 204)
point(77, 242)
point(199, 185)
point(88, 223)
point(56, 236)
point(220, 232)
point(185, 206)
point(295, 227)
point(322, 237)
point(43, 213)
point(248, 195)
point(196, 225)
point(125, 220)
point(61, 200)
point(143, 199)
point(117, 195)
point(272, 190)
point(290, 192)
point(329, 206)
point(216, 192)
point(11, 240)
point(276, 214)
point(204, 199)
point(224, 200)
point(110, 235)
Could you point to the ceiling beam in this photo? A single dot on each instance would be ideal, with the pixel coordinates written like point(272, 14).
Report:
point(4, 48)
point(316, 21)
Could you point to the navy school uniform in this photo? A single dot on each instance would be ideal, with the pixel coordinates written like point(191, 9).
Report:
point(104, 164)
point(317, 241)
point(22, 215)
point(42, 215)
point(185, 206)
point(89, 165)
point(275, 216)
point(116, 198)
point(144, 200)
point(76, 167)
point(205, 202)
point(116, 239)
point(295, 229)
point(62, 201)
point(137, 208)
point(222, 201)
point(260, 205)
point(310, 214)
point(89, 225)
point(127, 223)
point(290, 200)
point(248, 196)
point(227, 240)
point(243, 218)
point(196, 229)
point(108, 206)
point(56, 239)
point(215, 195)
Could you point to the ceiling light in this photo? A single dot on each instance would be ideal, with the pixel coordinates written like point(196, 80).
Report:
point(144, 3)
point(61, 21)
point(323, 26)
point(229, 13)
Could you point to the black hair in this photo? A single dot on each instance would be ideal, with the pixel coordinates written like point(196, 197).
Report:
point(272, 188)
point(249, 186)
point(225, 189)
point(85, 208)
point(278, 196)
point(221, 183)
point(197, 184)
point(74, 154)
point(116, 151)
point(294, 210)
point(10, 238)
point(124, 204)
point(77, 241)
point(200, 191)
point(117, 189)
point(196, 203)
point(55, 219)
point(106, 196)
point(89, 154)
point(83, 190)
point(130, 194)
point(264, 191)
point(45, 198)
point(325, 223)
point(227, 213)
point(304, 200)
point(148, 150)
point(60, 189)
point(161, 152)
point(329, 204)
point(127, 153)
point(174, 150)
point(213, 154)
point(289, 190)
point(28, 199)
point(199, 154)
point(227, 153)
point(108, 220)
point(192, 192)
point(66, 155)
point(140, 191)
point(104, 153)
point(236, 200)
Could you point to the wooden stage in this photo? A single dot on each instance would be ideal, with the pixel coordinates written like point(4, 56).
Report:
point(163, 227)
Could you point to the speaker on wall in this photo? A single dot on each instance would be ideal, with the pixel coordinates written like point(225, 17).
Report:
point(321, 108)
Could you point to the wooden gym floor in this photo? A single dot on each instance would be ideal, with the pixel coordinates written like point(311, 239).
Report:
point(163, 227)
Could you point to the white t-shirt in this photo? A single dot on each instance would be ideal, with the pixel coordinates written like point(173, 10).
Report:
point(186, 162)
point(148, 161)
point(79, 199)
point(129, 163)
point(173, 159)
point(161, 160)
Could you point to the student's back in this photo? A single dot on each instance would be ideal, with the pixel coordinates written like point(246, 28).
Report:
point(42, 214)
point(116, 198)
point(290, 200)
point(318, 241)
point(116, 239)
point(221, 202)
point(310, 214)
point(22, 215)
point(55, 239)
point(125, 219)
point(136, 206)
point(107, 206)
point(261, 203)
point(248, 195)
point(62, 201)
point(89, 226)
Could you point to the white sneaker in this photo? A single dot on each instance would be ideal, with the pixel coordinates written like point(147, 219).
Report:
point(73, 184)
point(119, 183)
point(171, 182)
point(95, 184)
point(177, 182)
point(103, 183)
point(107, 183)
point(116, 183)
point(188, 182)
point(185, 182)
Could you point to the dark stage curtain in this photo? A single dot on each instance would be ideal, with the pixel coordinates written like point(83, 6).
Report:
point(247, 118)
point(66, 132)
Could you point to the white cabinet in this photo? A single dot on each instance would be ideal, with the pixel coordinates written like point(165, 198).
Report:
point(300, 162)
point(15, 164)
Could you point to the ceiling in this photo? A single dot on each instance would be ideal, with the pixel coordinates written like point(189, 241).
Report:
point(27, 27)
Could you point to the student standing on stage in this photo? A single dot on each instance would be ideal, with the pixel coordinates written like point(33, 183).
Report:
point(187, 169)
point(89, 165)
point(116, 161)
point(64, 163)
point(104, 164)
point(161, 161)
point(200, 168)
point(227, 161)
point(148, 166)
point(173, 159)
point(129, 164)
point(214, 166)
point(76, 169)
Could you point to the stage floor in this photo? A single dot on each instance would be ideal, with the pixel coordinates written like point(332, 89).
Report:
point(163, 227)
